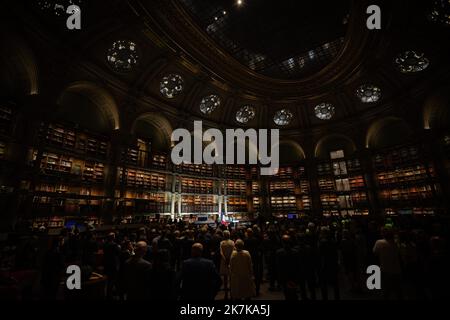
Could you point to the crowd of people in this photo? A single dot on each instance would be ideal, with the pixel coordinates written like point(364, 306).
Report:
point(303, 259)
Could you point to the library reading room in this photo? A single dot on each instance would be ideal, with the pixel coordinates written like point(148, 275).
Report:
point(349, 100)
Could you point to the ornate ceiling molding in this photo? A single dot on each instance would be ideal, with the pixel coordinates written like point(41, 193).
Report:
point(175, 25)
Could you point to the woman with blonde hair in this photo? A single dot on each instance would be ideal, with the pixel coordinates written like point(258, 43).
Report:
point(241, 273)
point(226, 249)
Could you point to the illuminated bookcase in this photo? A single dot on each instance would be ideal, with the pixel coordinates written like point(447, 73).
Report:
point(205, 170)
point(236, 187)
point(289, 191)
point(406, 182)
point(283, 204)
point(135, 178)
point(146, 202)
point(282, 192)
point(197, 186)
point(256, 204)
point(236, 204)
point(195, 204)
point(159, 161)
point(66, 137)
point(54, 163)
point(235, 172)
point(342, 186)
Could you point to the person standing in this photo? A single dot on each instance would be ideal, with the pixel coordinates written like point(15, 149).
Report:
point(241, 273)
point(198, 279)
point(388, 255)
point(111, 263)
point(253, 245)
point(226, 249)
point(288, 268)
point(136, 273)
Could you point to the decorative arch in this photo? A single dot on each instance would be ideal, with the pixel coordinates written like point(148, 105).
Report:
point(156, 127)
point(387, 132)
point(290, 151)
point(19, 70)
point(436, 111)
point(94, 95)
point(334, 142)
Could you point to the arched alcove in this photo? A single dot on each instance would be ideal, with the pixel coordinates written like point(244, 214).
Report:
point(155, 128)
point(387, 132)
point(18, 66)
point(436, 111)
point(334, 142)
point(90, 106)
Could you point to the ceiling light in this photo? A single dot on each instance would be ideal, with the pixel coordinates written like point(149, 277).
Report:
point(224, 12)
point(239, 2)
point(215, 18)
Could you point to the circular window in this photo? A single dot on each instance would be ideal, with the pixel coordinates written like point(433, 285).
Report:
point(324, 111)
point(411, 62)
point(122, 56)
point(368, 93)
point(283, 117)
point(171, 86)
point(245, 114)
point(209, 104)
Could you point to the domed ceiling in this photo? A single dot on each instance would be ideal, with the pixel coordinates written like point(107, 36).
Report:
point(281, 39)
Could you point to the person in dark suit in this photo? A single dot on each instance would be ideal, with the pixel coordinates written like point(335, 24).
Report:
point(199, 278)
point(136, 275)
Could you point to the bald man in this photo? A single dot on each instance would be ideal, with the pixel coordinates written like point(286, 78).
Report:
point(199, 278)
point(135, 276)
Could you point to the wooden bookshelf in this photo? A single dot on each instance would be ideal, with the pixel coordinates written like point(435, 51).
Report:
point(52, 162)
point(143, 179)
point(256, 204)
point(236, 204)
point(236, 187)
point(283, 203)
point(58, 135)
point(342, 186)
point(65, 136)
point(88, 171)
point(235, 172)
point(405, 181)
point(285, 173)
point(255, 187)
point(48, 222)
point(159, 161)
point(93, 171)
point(205, 170)
point(195, 204)
point(197, 186)
point(285, 186)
